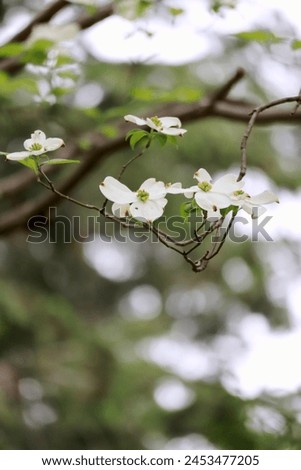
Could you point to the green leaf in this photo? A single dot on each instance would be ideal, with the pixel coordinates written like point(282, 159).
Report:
point(31, 163)
point(143, 6)
point(259, 35)
point(135, 136)
point(161, 138)
point(37, 52)
point(64, 60)
point(59, 161)
point(61, 91)
point(12, 49)
point(226, 211)
point(175, 11)
point(296, 44)
point(11, 85)
point(186, 208)
point(172, 139)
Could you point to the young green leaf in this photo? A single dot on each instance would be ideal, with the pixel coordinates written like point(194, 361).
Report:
point(161, 138)
point(171, 139)
point(59, 161)
point(296, 44)
point(31, 163)
point(175, 11)
point(226, 211)
point(259, 35)
point(12, 49)
point(135, 136)
point(187, 208)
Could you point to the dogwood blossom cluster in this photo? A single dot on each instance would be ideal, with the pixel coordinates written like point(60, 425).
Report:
point(165, 125)
point(148, 202)
point(226, 192)
point(37, 145)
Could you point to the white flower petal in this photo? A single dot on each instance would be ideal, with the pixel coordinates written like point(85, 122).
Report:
point(156, 189)
point(202, 175)
point(212, 201)
point(213, 215)
point(121, 210)
point(219, 200)
point(135, 120)
point(18, 155)
point(266, 197)
point(115, 191)
point(257, 211)
point(169, 121)
point(227, 184)
point(38, 136)
point(29, 143)
point(173, 131)
point(149, 210)
point(53, 143)
point(202, 201)
point(148, 184)
point(35, 153)
point(253, 211)
point(175, 188)
point(189, 192)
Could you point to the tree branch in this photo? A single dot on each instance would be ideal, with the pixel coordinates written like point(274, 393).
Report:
point(254, 116)
point(13, 66)
point(101, 147)
point(42, 17)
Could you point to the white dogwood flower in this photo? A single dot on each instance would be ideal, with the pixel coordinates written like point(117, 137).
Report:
point(253, 205)
point(213, 196)
point(37, 145)
point(164, 125)
point(146, 204)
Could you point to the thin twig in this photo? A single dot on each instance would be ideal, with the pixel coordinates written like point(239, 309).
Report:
point(51, 187)
point(223, 91)
point(297, 104)
point(162, 239)
point(134, 158)
point(101, 148)
point(254, 115)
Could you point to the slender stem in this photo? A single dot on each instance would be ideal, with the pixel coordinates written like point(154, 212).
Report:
point(162, 239)
point(134, 158)
point(51, 187)
point(254, 115)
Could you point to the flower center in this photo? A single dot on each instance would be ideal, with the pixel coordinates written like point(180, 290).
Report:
point(240, 194)
point(36, 146)
point(157, 121)
point(142, 195)
point(205, 186)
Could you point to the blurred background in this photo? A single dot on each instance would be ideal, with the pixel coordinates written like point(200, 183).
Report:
point(109, 344)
